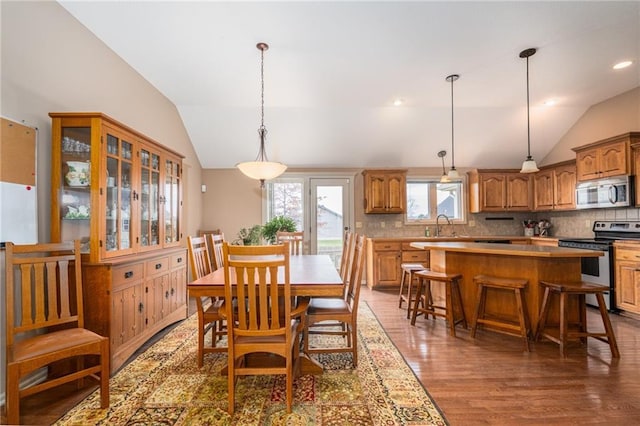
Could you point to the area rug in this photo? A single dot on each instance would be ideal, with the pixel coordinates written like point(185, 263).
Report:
point(164, 386)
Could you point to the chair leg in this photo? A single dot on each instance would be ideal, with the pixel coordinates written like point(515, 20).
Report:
point(12, 397)
point(450, 311)
point(354, 333)
point(418, 296)
point(607, 326)
point(564, 324)
point(479, 313)
point(542, 319)
point(402, 290)
point(427, 299)
point(523, 317)
point(104, 374)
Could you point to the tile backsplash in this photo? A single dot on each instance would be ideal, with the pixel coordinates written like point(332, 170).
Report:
point(577, 223)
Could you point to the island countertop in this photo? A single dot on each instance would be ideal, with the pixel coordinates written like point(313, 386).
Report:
point(507, 249)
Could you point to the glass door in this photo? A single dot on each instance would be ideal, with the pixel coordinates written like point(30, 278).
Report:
point(149, 199)
point(171, 200)
point(330, 218)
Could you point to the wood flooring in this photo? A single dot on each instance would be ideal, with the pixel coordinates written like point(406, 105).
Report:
point(488, 380)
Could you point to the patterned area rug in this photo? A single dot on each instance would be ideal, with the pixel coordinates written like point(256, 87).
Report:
point(163, 386)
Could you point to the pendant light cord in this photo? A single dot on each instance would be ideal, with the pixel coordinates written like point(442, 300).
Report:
point(528, 125)
point(453, 156)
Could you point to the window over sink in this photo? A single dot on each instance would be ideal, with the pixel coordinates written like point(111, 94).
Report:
point(427, 198)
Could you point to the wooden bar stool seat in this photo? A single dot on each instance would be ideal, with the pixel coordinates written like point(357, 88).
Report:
point(522, 328)
point(408, 276)
point(453, 299)
point(579, 289)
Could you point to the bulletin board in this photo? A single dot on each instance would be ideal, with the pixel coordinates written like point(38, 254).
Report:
point(17, 153)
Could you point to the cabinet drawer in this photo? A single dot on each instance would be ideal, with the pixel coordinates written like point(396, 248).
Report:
point(156, 266)
point(127, 273)
point(178, 260)
point(415, 256)
point(381, 246)
point(628, 254)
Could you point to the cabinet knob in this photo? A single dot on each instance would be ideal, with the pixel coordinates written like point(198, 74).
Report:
point(179, 260)
point(166, 294)
point(128, 274)
point(158, 265)
point(140, 307)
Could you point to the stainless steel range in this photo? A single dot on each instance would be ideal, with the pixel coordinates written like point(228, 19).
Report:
point(601, 270)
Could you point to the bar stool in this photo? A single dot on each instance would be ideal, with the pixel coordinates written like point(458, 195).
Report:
point(522, 328)
point(579, 289)
point(452, 289)
point(408, 275)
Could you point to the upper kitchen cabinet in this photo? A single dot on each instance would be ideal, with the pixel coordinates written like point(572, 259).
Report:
point(635, 149)
point(116, 190)
point(499, 190)
point(554, 187)
point(609, 157)
point(385, 191)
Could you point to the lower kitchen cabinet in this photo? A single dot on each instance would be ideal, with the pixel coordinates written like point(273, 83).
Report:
point(130, 299)
point(384, 257)
point(627, 275)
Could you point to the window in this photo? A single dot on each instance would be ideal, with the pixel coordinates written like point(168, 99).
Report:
point(427, 198)
point(285, 198)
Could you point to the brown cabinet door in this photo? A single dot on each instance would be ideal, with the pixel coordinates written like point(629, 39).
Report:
point(543, 190)
point(376, 197)
point(587, 164)
point(565, 187)
point(387, 263)
point(384, 191)
point(493, 190)
point(628, 286)
point(518, 192)
point(613, 159)
point(396, 189)
point(636, 162)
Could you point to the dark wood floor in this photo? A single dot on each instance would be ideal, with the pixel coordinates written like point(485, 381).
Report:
point(489, 380)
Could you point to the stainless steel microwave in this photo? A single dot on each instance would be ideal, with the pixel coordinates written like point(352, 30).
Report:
point(610, 192)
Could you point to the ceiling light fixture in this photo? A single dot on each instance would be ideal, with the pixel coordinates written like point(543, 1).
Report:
point(621, 65)
point(262, 169)
point(398, 102)
point(453, 173)
point(529, 165)
point(445, 177)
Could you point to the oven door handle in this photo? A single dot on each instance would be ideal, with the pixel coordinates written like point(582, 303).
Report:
point(613, 194)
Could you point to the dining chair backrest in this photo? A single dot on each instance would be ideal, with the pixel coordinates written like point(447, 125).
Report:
point(199, 259)
point(295, 239)
point(356, 272)
point(214, 243)
point(260, 277)
point(50, 287)
point(347, 255)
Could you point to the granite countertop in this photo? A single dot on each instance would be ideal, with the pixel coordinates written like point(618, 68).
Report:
point(507, 249)
point(465, 238)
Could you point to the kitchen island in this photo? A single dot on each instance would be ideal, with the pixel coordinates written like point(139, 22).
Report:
point(533, 263)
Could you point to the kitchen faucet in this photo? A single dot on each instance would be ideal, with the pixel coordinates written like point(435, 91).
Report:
point(438, 223)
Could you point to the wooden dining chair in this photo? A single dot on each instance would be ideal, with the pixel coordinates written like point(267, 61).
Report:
point(295, 239)
point(263, 321)
point(214, 244)
point(347, 255)
point(341, 311)
point(45, 322)
point(208, 308)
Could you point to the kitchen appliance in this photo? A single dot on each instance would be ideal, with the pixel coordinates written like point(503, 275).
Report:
point(599, 193)
point(601, 270)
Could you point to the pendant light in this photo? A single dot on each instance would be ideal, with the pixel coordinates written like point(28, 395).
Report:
point(262, 169)
point(445, 177)
point(453, 173)
point(529, 165)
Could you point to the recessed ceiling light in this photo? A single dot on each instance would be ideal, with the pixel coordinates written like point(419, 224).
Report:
point(550, 102)
point(398, 102)
point(621, 65)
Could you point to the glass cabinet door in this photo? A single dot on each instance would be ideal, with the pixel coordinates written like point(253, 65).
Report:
point(149, 199)
point(119, 195)
point(171, 201)
point(75, 204)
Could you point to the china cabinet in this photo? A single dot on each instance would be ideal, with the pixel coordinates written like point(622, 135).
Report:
point(385, 191)
point(120, 194)
point(499, 190)
point(605, 158)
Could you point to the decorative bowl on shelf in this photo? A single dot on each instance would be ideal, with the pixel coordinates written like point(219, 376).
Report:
point(78, 174)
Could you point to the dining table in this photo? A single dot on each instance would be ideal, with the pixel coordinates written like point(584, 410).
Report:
point(309, 276)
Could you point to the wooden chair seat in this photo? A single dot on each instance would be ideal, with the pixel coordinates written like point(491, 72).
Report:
point(62, 341)
point(453, 311)
point(319, 306)
point(522, 328)
point(580, 290)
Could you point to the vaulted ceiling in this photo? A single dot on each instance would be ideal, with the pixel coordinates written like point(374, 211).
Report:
point(334, 70)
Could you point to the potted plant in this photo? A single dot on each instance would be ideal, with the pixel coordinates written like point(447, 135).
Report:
point(249, 236)
point(277, 223)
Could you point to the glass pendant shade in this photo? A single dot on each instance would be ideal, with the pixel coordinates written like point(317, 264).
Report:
point(529, 166)
point(453, 174)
